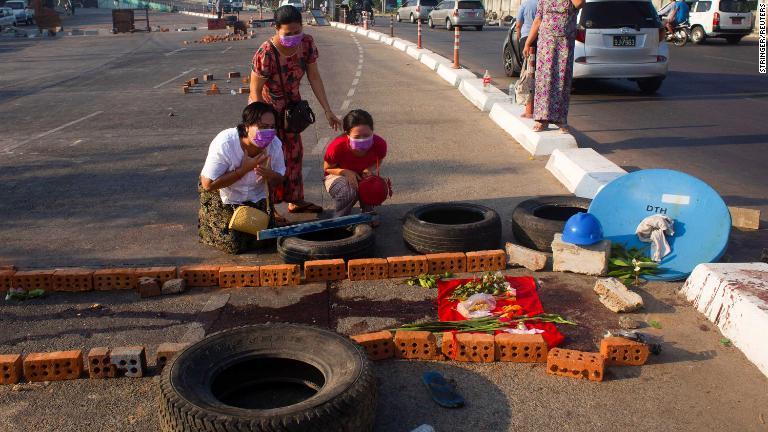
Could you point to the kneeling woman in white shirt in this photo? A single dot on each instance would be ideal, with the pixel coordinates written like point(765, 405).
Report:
point(241, 163)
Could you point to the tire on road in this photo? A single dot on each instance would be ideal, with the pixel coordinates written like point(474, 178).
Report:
point(509, 61)
point(698, 35)
point(357, 241)
point(269, 377)
point(536, 221)
point(448, 24)
point(430, 23)
point(452, 227)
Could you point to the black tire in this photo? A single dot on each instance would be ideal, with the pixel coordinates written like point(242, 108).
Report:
point(348, 243)
point(448, 24)
point(430, 23)
point(399, 18)
point(536, 221)
point(698, 35)
point(261, 378)
point(649, 85)
point(413, 20)
point(733, 40)
point(511, 66)
point(452, 227)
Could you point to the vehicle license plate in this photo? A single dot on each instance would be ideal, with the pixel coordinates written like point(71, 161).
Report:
point(623, 41)
point(736, 20)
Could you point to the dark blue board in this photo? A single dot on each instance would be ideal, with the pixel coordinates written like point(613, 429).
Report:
point(294, 230)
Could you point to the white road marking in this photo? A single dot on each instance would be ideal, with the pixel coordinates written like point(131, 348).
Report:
point(360, 66)
point(345, 105)
point(358, 73)
point(226, 49)
point(175, 51)
point(355, 81)
point(173, 79)
point(45, 134)
point(729, 59)
point(351, 92)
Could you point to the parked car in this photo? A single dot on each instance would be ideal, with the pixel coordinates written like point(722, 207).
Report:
point(7, 18)
point(728, 19)
point(458, 13)
point(24, 14)
point(298, 4)
point(237, 5)
point(512, 52)
point(412, 10)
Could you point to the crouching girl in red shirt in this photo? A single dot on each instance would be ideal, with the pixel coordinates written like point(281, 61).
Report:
point(350, 158)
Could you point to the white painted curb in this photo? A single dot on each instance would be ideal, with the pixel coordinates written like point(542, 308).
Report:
point(416, 53)
point(362, 31)
point(433, 60)
point(483, 98)
point(386, 40)
point(401, 44)
point(374, 35)
point(583, 171)
point(735, 298)
point(509, 117)
point(454, 76)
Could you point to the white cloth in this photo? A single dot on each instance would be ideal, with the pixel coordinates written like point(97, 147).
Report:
point(225, 155)
point(654, 230)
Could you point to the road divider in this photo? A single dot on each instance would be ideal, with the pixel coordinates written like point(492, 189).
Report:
point(509, 117)
point(402, 44)
point(484, 98)
point(433, 61)
point(416, 53)
point(583, 171)
point(454, 76)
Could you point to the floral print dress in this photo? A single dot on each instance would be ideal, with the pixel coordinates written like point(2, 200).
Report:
point(554, 60)
point(294, 67)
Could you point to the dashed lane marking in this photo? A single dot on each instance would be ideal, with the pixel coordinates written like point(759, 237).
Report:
point(173, 79)
point(45, 134)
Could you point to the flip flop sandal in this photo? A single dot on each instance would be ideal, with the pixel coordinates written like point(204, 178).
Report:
point(442, 391)
point(306, 208)
point(540, 127)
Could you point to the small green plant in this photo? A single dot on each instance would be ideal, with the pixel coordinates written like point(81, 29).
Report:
point(427, 280)
point(725, 342)
point(654, 324)
point(629, 265)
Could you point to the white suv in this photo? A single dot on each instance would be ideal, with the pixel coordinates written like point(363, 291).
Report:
point(728, 19)
point(621, 39)
point(24, 14)
point(7, 18)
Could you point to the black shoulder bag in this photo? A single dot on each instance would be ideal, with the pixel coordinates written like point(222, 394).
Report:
point(297, 115)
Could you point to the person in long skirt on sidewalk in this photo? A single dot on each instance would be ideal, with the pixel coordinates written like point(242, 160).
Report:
point(554, 33)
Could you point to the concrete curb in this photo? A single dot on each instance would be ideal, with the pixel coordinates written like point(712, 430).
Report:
point(583, 171)
point(509, 117)
point(483, 98)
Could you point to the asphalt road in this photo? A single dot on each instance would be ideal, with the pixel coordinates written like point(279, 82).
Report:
point(708, 118)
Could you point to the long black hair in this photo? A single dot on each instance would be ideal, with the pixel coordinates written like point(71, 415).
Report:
point(251, 116)
point(287, 15)
point(356, 117)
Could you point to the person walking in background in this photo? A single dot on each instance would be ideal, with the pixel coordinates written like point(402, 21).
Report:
point(525, 17)
point(554, 32)
point(219, 8)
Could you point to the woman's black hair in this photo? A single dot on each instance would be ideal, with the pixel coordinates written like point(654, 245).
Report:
point(287, 15)
point(357, 117)
point(252, 114)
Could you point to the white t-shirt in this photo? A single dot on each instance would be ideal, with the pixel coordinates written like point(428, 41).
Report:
point(225, 155)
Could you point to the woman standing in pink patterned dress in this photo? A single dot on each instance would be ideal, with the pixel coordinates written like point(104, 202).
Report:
point(296, 56)
point(554, 31)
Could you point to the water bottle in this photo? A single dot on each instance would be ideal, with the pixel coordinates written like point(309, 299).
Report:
point(486, 80)
point(511, 95)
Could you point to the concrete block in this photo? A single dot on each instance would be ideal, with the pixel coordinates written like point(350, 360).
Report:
point(114, 279)
point(520, 348)
point(485, 261)
point(239, 276)
point(244, 90)
point(130, 361)
point(173, 286)
point(362, 31)
point(415, 52)
point(454, 76)
point(53, 366)
point(484, 98)
point(589, 260)
point(420, 345)
point(280, 275)
point(378, 345)
point(148, 287)
point(623, 352)
point(367, 269)
point(406, 266)
point(616, 296)
point(99, 364)
point(402, 44)
point(454, 262)
point(72, 280)
point(167, 351)
point(576, 364)
point(735, 298)
point(583, 171)
point(200, 275)
point(374, 35)
point(208, 77)
point(233, 75)
point(521, 256)
point(386, 40)
point(33, 279)
point(745, 218)
point(6, 279)
point(162, 274)
point(11, 368)
point(433, 60)
point(469, 347)
point(508, 116)
point(325, 270)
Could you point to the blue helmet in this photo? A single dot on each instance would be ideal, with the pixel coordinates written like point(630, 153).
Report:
point(583, 229)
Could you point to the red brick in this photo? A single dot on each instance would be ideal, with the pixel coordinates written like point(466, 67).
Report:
point(472, 347)
point(167, 351)
point(420, 345)
point(200, 275)
point(520, 348)
point(325, 270)
point(233, 75)
point(575, 364)
point(406, 266)
point(194, 80)
point(185, 89)
point(239, 276)
point(162, 274)
point(99, 364)
point(72, 280)
point(35, 279)
point(454, 262)
point(114, 279)
point(11, 368)
point(484, 261)
point(208, 77)
point(280, 275)
point(623, 352)
point(8, 267)
point(148, 287)
point(368, 269)
point(6, 279)
point(244, 90)
point(379, 345)
point(53, 366)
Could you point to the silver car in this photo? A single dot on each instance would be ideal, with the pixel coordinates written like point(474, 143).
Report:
point(412, 10)
point(461, 13)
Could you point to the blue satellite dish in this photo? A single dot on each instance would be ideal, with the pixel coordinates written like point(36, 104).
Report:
point(702, 221)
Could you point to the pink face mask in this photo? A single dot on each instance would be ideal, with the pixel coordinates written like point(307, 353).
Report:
point(263, 137)
point(291, 41)
point(361, 144)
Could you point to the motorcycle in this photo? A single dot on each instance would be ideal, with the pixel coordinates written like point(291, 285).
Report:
point(680, 34)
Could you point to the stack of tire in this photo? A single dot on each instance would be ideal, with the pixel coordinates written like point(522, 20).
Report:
point(452, 227)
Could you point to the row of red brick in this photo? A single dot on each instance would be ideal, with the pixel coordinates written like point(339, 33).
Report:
point(100, 362)
point(80, 279)
point(505, 347)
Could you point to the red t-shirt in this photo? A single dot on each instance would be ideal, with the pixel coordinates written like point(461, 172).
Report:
point(340, 154)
